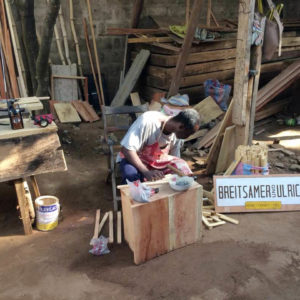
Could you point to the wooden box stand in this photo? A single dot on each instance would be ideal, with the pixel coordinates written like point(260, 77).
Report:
point(169, 221)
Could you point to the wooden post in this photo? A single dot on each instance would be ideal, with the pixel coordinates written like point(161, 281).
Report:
point(255, 65)
point(24, 207)
point(241, 111)
point(188, 39)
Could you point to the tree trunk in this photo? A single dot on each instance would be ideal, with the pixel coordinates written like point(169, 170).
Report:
point(46, 39)
point(26, 10)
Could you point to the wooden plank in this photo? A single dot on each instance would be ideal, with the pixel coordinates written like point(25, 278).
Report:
point(227, 149)
point(111, 227)
point(131, 78)
point(232, 166)
point(278, 84)
point(30, 103)
point(66, 113)
point(135, 99)
point(215, 148)
point(205, 56)
point(29, 129)
point(208, 137)
point(104, 219)
point(160, 39)
point(151, 230)
point(193, 69)
point(128, 31)
point(208, 110)
point(290, 41)
point(23, 205)
point(164, 83)
point(89, 108)
point(186, 218)
point(197, 134)
point(64, 89)
point(119, 227)
point(78, 105)
point(271, 109)
point(48, 163)
point(96, 227)
point(246, 14)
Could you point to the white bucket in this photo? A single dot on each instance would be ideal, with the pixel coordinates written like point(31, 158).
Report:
point(47, 211)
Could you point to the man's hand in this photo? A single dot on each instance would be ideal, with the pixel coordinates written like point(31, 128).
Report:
point(153, 175)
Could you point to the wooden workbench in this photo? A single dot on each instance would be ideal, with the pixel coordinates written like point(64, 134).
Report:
point(169, 221)
point(25, 153)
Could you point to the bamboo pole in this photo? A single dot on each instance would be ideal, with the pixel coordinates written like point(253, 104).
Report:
point(64, 33)
point(86, 34)
point(17, 49)
point(95, 52)
point(75, 39)
point(187, 12)
point(57, 39)
point(59, 48)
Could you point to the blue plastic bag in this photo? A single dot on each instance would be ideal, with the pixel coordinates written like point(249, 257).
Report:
point(218, 91)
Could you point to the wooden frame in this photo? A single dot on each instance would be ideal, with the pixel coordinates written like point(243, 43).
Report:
point(274, 202)
point(86, 95)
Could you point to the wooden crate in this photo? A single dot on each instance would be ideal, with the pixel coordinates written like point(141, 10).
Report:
point(170, 221)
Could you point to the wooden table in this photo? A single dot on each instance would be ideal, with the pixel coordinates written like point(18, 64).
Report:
point(169, 221)
point(25, 153)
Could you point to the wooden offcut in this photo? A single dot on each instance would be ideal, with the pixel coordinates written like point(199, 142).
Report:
point(131, 78)
point(169, 221)
point(66, 113)
point(208, 109)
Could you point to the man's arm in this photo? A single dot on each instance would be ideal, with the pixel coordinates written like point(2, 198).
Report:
point(134, 159)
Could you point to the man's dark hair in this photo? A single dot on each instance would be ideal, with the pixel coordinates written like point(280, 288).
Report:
point(189, 118)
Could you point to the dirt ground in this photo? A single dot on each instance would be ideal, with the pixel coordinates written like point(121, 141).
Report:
point(257, 259)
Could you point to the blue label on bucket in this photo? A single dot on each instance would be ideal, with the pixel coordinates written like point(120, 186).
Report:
point(49, 208)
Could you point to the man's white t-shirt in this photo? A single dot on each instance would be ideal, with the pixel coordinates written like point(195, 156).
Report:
point(146, 130)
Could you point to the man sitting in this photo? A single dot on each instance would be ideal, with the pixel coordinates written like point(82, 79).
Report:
point(153, 142)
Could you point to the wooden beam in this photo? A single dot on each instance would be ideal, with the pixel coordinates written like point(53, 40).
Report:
point(246, 14)
point(188, 39)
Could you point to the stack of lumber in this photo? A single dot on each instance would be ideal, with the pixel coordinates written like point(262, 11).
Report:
point(207, 60)
point(211, 219)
